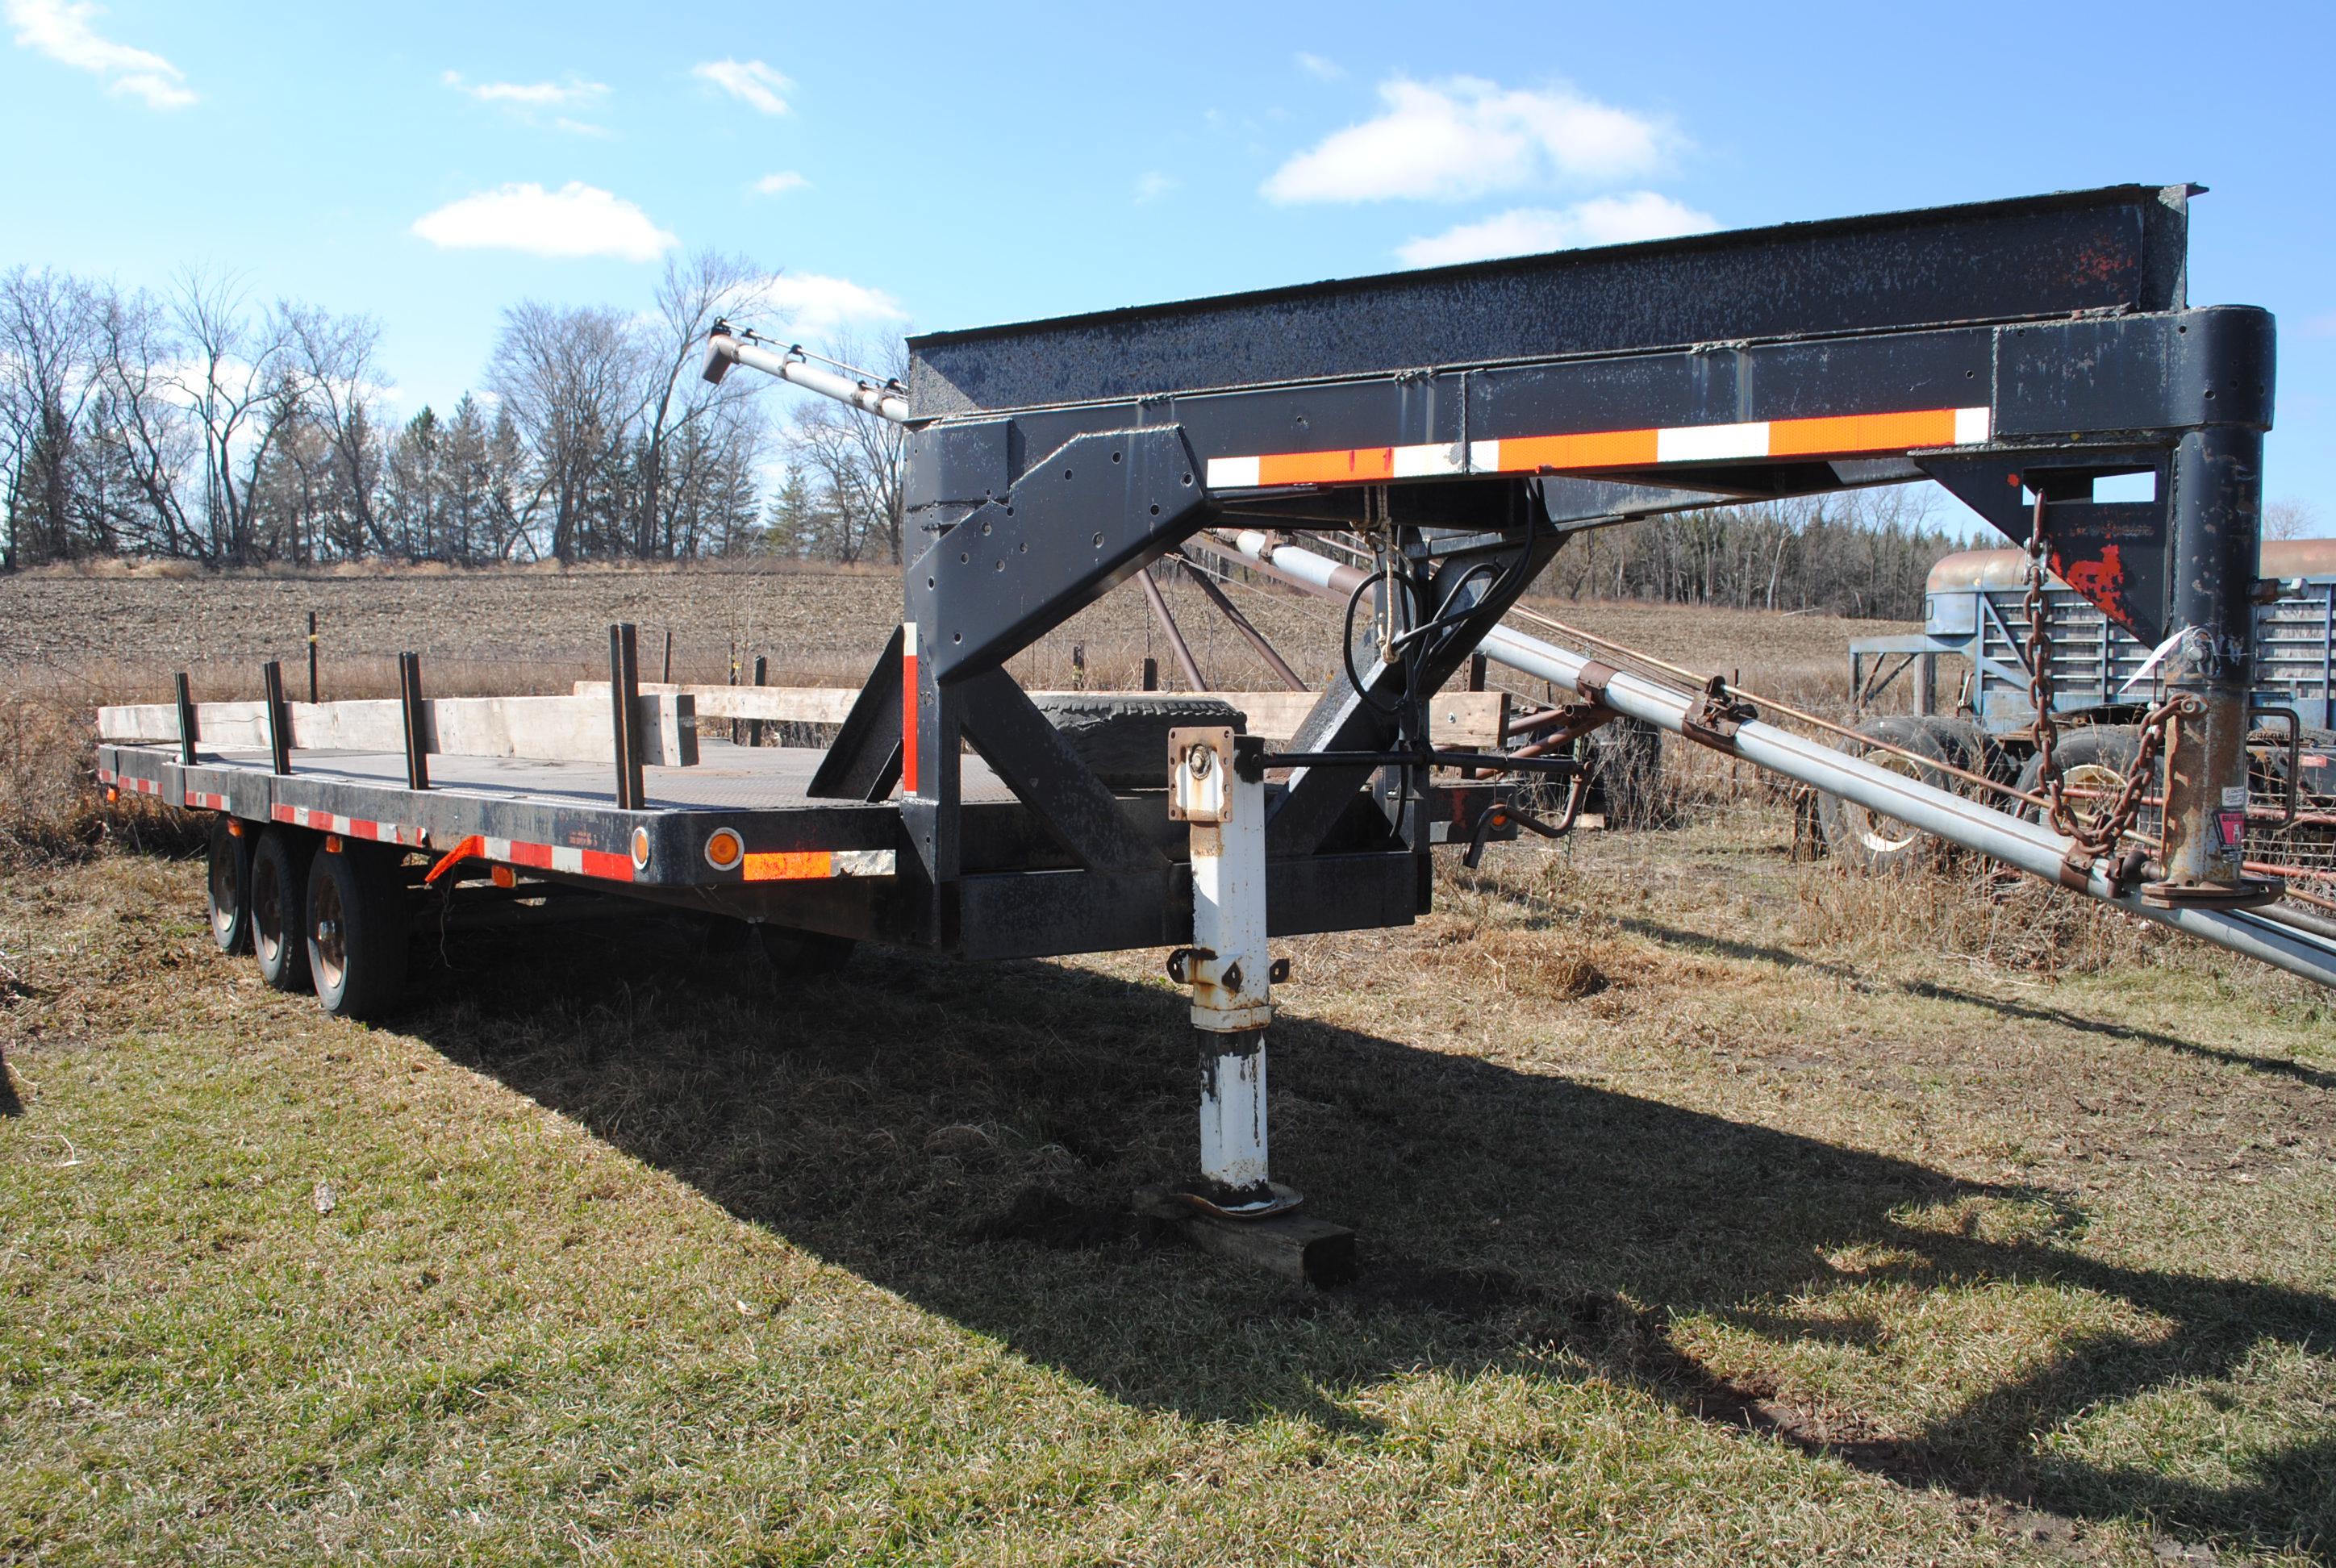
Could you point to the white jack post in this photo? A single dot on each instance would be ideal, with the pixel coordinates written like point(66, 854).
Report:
point(1217, 787)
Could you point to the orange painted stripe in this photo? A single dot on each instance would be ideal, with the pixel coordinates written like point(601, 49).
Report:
point(1595, 449)
point(909, 721)
point(789, 865)
point(1862, 432)
point(1362, 466)
point(607, 867)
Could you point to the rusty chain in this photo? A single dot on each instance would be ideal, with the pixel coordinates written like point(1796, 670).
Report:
point(2106, 830)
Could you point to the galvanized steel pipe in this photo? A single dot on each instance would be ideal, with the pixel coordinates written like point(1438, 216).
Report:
point(723, 351)
point(2031, 847)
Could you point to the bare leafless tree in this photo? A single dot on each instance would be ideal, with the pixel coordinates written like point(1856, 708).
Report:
point(694, 293)
point(231, 362)
point(48, 376)
point(340, 381)
point(568, 378)
point(2290, 518)
point(857, 457)
point(140, 422)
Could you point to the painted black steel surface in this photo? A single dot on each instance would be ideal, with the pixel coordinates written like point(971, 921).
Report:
point(2115, 250)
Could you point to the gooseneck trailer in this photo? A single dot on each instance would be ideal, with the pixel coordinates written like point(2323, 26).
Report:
point(1465, 422)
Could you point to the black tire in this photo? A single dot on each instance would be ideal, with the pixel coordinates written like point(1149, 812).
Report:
point(1866, 838)
point(279, 896)
point(357, 929)
point(1125, 739)
point(2097, 756)
point(1968, 747)
point(1626, 773)
point(230, 881)
point(800, 955)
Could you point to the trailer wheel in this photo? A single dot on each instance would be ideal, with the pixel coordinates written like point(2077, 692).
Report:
point(1125, 739)
point(1967, 746)
point(1626, 765)
point(279, 890)
point(357, 931)
point(230, 884)
point(801, 955)
point(1866, 838)
point(2098, 757)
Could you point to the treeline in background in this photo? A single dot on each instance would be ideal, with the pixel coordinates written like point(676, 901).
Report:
point(197, 423)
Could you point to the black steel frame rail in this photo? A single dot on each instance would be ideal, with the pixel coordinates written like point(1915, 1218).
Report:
point(1055, 458)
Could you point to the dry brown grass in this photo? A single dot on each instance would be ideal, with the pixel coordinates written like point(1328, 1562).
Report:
point(1773, 1247)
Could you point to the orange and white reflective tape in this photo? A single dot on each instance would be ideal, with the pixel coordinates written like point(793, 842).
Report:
point(347, 827)
point(810, 865)
point(1833, 435)
point(144, 786)
point(208, 802)
point(579, 862)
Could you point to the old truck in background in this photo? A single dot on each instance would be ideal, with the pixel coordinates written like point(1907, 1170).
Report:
point(1977, 619)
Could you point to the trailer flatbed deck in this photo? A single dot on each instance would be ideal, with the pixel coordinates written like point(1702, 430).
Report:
point(795, 850)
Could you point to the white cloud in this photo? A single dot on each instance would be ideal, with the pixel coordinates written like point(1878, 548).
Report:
point(779, 184)
point(1152, 185)
point(577, 220)
point(580, 127)
point(571, 93)
point(1464, 137)
point(1601, 220)
point(61, 30)
point(750, 81)
point(1321, 70)
point(812, 306)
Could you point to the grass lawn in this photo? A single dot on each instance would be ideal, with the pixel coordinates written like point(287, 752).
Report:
point(1716, 1209)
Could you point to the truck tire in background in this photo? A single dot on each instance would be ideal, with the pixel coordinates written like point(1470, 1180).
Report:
point(2097, 756)
point(1125, 739)
point(356, 930)
point(1866, 838)
point(1626, 773)
point(230, 884)
point(279, 887)
point(1968, 747)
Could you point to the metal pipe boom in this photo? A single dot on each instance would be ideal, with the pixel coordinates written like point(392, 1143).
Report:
point(2031, 847)
point(723, 351)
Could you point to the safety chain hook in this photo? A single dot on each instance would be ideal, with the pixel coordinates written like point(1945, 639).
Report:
point(2106, 830)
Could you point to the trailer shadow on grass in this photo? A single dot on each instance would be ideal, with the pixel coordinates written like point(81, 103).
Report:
point(967, 1137)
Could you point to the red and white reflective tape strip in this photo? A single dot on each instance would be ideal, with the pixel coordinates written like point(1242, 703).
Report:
point(909, 708)
point(209, 803)
point(105, 775)
point(347, 827)
point(145, 786)
point(808, 865)
point(1829, 436)
point(600, 864)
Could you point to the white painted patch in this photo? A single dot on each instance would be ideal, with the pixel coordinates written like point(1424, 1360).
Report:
point(1233, 473)
point(1426, 461)
point(1711, 442)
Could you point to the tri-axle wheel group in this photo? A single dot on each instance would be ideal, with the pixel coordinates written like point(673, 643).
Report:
point(335, 914)
point(316, 910)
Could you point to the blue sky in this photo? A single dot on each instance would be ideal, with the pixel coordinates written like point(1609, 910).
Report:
point(958, 165)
